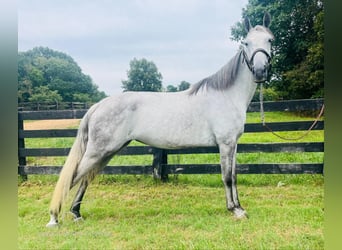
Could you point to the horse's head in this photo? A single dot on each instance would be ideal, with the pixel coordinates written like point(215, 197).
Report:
point(257, 48)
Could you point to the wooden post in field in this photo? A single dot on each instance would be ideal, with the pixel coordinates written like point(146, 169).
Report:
point(159, 159)
point(21, 144)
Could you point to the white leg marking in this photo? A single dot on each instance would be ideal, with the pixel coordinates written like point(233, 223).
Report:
point(240, 213)
point(53, 222)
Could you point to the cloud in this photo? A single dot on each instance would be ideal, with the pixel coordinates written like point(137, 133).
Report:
point(187, 40)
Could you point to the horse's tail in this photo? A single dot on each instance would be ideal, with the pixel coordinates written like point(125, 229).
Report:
point(69, 170)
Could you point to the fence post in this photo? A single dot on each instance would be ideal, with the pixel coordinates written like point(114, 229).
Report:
point(21, 144)
point(159, 159)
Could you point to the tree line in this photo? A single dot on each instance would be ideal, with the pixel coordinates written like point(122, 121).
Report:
point(52, 76)
point(297, 63)
point(49, 76)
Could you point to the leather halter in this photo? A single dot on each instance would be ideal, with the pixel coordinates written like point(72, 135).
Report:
point(250, 62)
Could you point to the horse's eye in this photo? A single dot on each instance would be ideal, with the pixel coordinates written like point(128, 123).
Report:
point(270, 40)
point(244, 43)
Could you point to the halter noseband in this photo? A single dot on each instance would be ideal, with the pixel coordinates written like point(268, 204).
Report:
point(250, 63)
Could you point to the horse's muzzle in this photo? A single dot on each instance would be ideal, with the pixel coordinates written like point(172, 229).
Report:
point(260, 74)
point(260, 71)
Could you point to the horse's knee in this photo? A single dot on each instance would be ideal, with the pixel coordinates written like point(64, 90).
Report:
point(227, 180)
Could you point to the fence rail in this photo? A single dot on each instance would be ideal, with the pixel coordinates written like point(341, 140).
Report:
point(159, 163)
point(36, 106)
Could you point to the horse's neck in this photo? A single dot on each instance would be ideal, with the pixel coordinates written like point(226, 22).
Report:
point(244, 87)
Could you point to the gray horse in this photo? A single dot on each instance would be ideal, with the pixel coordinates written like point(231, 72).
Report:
point(210, 113)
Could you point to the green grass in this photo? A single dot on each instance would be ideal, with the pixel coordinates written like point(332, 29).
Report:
point(188, 212)
point(136, 212)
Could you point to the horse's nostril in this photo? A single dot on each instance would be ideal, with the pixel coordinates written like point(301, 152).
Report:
point(260, 74)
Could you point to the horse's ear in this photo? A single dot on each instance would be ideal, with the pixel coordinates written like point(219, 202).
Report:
point(267, 19)
point(248, 25)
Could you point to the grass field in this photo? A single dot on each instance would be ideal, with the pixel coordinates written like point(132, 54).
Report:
point(188, 212)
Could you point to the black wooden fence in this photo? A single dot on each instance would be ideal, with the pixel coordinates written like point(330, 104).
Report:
point(37, 106)
point(159, 166)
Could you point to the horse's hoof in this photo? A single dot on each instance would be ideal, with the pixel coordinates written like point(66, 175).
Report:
point(78, 219)
point(52, 224)
point(240, 213)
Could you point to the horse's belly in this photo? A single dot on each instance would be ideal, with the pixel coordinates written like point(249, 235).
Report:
point(174, 143)
point(174, 135)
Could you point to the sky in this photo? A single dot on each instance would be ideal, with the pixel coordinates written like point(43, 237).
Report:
point(186, 39)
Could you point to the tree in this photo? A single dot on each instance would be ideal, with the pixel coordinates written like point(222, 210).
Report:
point(143, 75)
point(171, 88)
point(297, 64)
point(306, 80)
point(183, 86)
point(55, 70)
point(80, 97)
point(44, 94)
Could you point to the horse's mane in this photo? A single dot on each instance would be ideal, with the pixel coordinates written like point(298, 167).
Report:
point(222, 79)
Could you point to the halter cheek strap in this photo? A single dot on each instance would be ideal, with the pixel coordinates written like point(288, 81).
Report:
point(250, 62)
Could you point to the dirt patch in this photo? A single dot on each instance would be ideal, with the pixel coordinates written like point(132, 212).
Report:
point(51, 124)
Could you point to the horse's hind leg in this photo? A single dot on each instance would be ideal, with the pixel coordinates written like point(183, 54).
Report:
point(76, 204)
point(90, 165)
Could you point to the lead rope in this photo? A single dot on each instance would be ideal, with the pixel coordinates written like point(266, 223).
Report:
point(262, 114)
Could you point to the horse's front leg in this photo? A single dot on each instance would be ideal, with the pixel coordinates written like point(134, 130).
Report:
point(228, 170)
point(239, 212)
